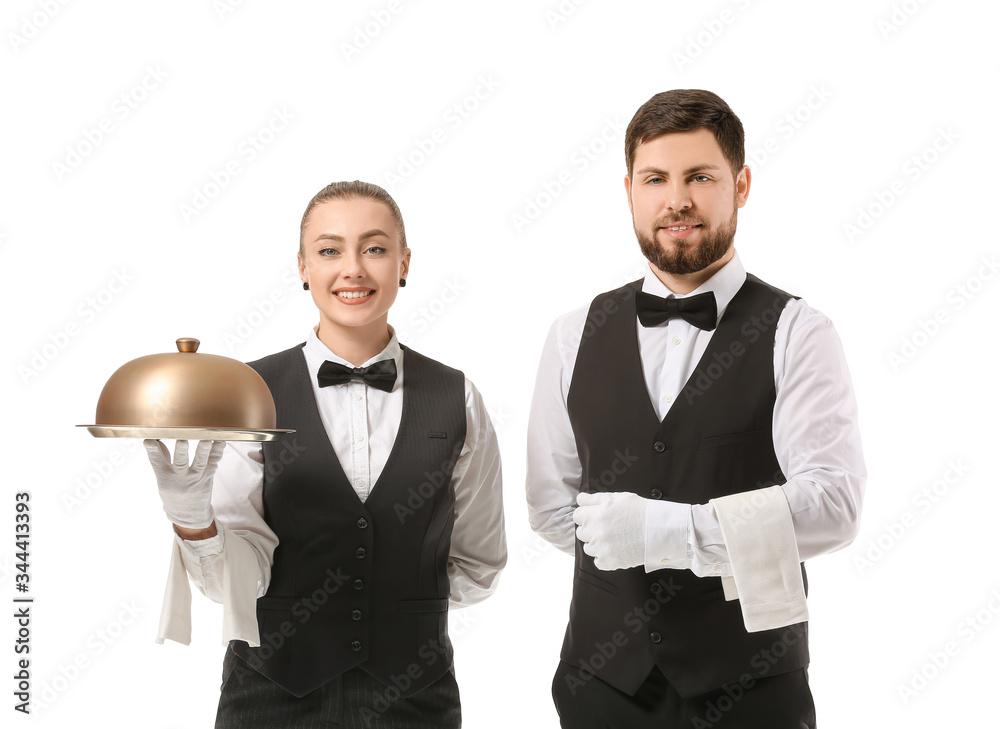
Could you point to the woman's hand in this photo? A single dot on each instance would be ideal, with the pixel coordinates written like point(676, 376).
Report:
point(186, 491)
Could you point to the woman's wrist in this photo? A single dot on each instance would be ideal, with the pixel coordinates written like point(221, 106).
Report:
point(194, 535)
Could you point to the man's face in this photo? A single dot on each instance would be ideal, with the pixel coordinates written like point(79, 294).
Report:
point(682, 180)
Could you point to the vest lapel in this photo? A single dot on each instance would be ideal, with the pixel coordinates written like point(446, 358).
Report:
point(314, 423)
point(633, 374)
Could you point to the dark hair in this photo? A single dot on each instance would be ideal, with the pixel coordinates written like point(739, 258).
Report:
point(685, 110)
point(353, 191)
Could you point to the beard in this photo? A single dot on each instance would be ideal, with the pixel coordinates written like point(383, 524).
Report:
point(687, 257)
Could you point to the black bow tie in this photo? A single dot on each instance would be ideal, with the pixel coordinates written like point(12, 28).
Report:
point(699, 311)
point(380, 375)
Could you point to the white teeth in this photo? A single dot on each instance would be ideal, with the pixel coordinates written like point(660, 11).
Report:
point(352, 294)
point(682, 227)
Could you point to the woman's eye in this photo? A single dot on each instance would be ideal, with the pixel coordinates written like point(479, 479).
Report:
point(376, 250)
point(327, 251)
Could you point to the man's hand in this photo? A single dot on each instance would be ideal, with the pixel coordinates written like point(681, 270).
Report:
point(186, 491)
point(612, 527)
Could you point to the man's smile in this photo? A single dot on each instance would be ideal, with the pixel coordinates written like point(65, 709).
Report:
point(679, 232)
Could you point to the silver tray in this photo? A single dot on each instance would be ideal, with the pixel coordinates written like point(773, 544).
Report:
point(136, 431)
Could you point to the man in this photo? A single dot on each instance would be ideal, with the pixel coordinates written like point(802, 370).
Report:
point(696, 384)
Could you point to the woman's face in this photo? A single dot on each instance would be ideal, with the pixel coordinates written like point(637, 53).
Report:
point(353, 263)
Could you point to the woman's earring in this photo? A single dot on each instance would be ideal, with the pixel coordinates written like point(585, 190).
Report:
point(305, 285)
point(402, 282)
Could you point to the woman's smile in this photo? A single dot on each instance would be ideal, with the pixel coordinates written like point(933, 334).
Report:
point(354, 295)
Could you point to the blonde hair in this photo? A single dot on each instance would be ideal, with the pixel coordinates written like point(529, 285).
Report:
point(352, 191)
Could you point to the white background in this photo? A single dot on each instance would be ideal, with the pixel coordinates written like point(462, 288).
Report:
point(836, 100)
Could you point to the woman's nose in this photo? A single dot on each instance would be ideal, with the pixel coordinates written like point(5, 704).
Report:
point(353, 266)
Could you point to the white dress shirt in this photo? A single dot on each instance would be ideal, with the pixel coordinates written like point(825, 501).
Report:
point(234, 567)
point(814, 429)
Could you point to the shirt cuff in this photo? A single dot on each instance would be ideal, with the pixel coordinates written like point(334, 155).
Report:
point(709, 557)
point(203, 547)
point(668, 527)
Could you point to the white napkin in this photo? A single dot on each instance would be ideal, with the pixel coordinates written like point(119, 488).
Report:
point(175, 615)
point(767, 579)
point(239, 596)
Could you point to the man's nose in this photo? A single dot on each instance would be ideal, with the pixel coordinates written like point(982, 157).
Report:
point(678, 198)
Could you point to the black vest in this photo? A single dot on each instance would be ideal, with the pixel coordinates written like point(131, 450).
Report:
point(714, 441)
point(352, 583)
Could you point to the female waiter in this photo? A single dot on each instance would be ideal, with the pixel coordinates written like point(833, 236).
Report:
point(359, 530)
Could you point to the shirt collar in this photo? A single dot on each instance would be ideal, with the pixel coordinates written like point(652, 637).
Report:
point(724, 284)
point(316, 353)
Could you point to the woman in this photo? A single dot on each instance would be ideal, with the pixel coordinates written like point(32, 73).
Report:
point(354, 531)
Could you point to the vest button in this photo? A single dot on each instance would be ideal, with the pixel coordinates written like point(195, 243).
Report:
point(655, 637)
point(356, 646)
point(359, 584)
point(362, 523)
point(656, 494)
point(361, 552)
point(659, 446)
point(356, 615)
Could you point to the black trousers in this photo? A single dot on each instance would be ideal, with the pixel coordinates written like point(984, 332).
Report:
point(353, 700)
point(773, 702)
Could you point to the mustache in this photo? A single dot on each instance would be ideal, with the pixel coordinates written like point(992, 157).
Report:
point(677, 219)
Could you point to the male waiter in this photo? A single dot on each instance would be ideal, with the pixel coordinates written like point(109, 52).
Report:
point(697, 383)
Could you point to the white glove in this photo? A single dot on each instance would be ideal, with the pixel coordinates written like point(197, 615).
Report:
point(186, 491)
point(612, 527)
